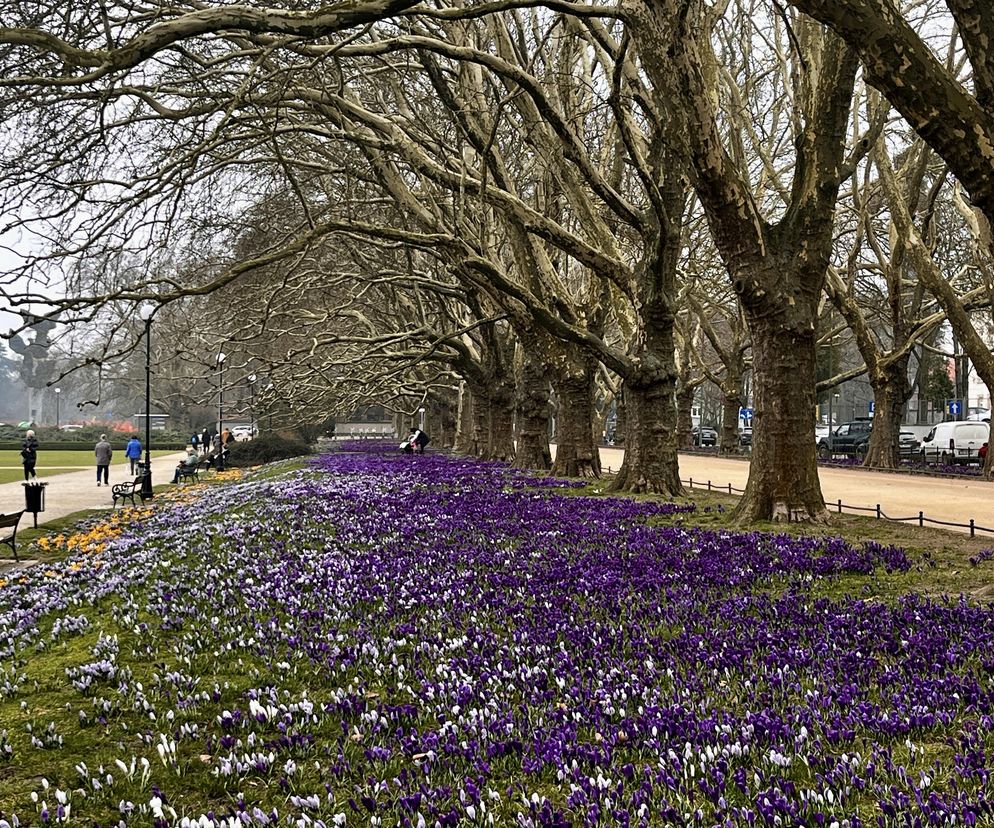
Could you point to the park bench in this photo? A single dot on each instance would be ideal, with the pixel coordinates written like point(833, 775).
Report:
point(10, 522)
point(127, 491)
point(193, 472)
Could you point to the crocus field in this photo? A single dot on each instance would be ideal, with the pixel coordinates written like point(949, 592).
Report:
point(428, 641)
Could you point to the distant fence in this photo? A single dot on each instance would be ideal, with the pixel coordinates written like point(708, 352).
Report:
point(972, 527)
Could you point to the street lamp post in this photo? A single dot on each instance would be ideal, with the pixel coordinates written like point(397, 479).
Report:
point(270, 406)
point(146, 312)
point(251, 384)
point(220, 394)
point(58, 396)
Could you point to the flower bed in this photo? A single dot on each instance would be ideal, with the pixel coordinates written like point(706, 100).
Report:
point(388, 640)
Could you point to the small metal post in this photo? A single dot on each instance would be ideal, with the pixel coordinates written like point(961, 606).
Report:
point(921, 518)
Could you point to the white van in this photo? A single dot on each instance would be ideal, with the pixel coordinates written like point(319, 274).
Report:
point(958, 441)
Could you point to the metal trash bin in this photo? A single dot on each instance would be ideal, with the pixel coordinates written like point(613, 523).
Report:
point(34, 498)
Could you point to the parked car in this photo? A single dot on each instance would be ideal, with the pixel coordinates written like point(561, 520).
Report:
point(745, 436)
point(822, 431)
point(71, 427)
point(908, 444)
point(957, 441)
point(704, 436)
point(242, 433)
point(850, 438)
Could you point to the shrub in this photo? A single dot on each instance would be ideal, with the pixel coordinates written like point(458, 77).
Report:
point(267, 448)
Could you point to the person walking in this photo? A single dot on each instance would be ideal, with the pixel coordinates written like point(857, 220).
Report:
point(195, 442)
point(29, 454)
point(103, 452)
point(205, 441)
point(133, 451)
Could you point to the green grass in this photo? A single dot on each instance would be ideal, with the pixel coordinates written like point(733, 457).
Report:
point(53, 463)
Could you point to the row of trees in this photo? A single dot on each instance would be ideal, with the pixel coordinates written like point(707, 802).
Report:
point(503, 207)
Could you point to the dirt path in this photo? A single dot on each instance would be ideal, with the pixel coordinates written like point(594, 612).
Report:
point(955, 500)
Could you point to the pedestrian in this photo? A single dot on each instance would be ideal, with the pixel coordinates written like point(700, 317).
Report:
point(29, 454)
point(418, 440)
point(226, 437)
point(133, 451)
point(205, 441)
point(195, 442)
point(103, 452)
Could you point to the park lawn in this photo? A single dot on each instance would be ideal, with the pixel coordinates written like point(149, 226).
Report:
point(380, 641)
point(55, 463)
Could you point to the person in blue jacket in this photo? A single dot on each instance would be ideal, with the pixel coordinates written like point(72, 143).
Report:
point(133, 451)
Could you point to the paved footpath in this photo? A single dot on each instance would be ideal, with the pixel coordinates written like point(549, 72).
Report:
point(78, 491)
point(952, 499)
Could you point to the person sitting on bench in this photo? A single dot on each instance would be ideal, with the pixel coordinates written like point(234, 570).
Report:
point(190, 461)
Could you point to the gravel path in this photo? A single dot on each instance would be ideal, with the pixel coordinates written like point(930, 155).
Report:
point(955, 500)
point(76, 491)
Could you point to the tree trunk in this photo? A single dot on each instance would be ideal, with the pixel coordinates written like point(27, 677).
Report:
point(890, 393)
point(445, 416)
point(500, 435)
point(481, 425)
point(684, 416)
point(464, 421)
point(532, 450)
point(620, 419)
point(783, 475)
point(730, 407)
point(651, 463)
point(576, 453)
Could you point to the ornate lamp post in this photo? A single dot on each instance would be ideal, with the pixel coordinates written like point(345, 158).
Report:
point(251, 383)
point(220, 391)
point(146, 312)
point(58, 396)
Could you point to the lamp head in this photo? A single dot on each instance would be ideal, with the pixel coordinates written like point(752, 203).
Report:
point(251, 377)
point(221, 357)
point(146, 311)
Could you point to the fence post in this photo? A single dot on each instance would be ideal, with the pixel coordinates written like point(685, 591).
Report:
point(729, 488)
point(840, 505)
point(878, 511)
point(691, 482)
point(921, 518)
point(709, 485)
point(971, 527)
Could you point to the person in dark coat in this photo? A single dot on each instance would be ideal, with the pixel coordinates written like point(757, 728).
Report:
point(419, 440)
point(29, 454)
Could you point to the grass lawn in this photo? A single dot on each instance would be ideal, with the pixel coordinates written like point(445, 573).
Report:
point(54, 462)
point(384, 640)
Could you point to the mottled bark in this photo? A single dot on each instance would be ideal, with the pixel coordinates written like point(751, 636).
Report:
point(532, 450)
point(729, 438)
point(783, 475)
point(621, 419)
point(576, 453)
point(891, 390)
point(500, 439)
point(684, 415)
point(480, 433)
point(464, 422)
point(650, 463)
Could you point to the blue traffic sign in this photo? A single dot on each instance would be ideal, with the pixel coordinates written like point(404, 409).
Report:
point(745, 413)
point(954, 406)
point(871, 406)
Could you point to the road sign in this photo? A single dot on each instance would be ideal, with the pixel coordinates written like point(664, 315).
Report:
point(871, 406)
point(745, 413)
point(954, 406)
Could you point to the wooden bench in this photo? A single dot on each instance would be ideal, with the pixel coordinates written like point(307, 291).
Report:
point(127, 491)
point(10, 522)
point(193, 472)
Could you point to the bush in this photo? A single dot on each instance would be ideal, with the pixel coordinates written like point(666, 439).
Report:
point(267, 448)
